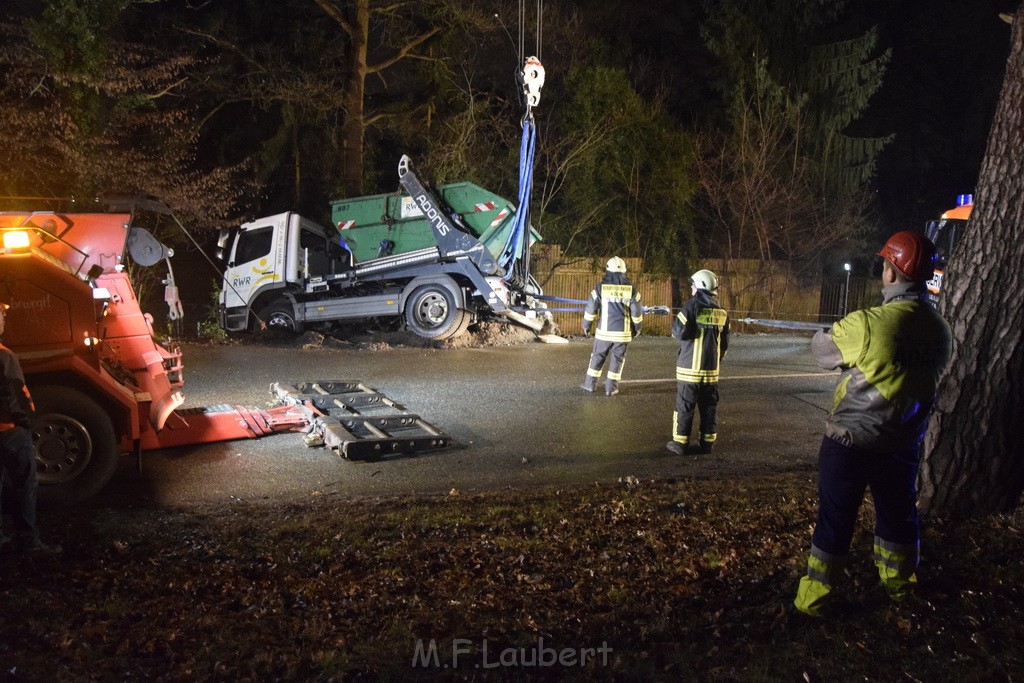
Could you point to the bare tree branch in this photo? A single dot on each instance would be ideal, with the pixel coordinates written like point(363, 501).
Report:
point(339, 18)
point(402, 52)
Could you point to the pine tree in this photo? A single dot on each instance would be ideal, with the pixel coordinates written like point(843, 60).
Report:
point(828, 77)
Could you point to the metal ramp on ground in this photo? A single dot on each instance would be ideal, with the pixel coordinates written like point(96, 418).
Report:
point(358, 422)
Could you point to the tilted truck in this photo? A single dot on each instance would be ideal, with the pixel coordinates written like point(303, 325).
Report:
point(432, 258)
point(103, 386)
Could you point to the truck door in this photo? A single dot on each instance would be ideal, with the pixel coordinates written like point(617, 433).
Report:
point(312, 257)
point(256, 260)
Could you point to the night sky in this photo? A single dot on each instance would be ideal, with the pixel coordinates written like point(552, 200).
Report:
point(939, 98)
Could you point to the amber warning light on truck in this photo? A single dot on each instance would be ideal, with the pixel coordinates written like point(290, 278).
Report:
point(15, 240)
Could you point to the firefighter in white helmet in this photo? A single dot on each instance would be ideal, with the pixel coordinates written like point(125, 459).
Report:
point(615, 305)
point(702, 328)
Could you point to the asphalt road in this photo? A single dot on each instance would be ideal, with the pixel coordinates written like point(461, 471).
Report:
point(517, 415)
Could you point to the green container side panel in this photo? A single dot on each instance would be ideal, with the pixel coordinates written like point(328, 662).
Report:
point(366, 222)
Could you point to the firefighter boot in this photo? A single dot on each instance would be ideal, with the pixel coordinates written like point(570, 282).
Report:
point(676, 447)
point(815, 589)
point(896, 563)
point(611, 388)
point(589, 384)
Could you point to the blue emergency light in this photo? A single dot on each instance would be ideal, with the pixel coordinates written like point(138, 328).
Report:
point(963, 199)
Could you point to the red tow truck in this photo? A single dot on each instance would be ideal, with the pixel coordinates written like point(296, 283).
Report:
point(102, 384)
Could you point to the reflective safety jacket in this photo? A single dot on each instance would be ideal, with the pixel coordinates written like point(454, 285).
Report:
point(15, 402)
point(702, 327)
point(615, 304)
point(891, 357)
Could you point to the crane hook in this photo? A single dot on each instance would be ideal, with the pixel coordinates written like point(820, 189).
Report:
point(533, 81)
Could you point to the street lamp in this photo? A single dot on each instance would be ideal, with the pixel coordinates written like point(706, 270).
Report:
point(846, 295)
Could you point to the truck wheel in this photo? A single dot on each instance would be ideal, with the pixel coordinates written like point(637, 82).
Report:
point(432, 314)
point(280, 317)
point(75, 443)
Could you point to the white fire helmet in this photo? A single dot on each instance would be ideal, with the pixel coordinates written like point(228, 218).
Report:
point(705, 279)
point(616, 265)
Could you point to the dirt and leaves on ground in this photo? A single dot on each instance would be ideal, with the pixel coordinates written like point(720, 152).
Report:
point(635, 580)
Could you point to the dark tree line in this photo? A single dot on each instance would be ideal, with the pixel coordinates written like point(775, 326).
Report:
point(233, 109)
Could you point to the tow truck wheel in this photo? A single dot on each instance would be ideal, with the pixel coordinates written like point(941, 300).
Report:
point(431, 312)
point(75, 444)
point(280, 317)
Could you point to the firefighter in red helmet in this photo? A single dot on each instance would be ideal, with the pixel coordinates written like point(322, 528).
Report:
point(911, 253)
point(891, 357)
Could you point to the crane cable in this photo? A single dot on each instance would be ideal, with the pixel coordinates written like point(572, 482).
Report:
point(538, 30)
point(515, 255)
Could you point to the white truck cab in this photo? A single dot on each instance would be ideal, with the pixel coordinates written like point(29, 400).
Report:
point(274, 252)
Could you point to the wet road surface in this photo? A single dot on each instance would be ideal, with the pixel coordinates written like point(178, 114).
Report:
point(517, 415)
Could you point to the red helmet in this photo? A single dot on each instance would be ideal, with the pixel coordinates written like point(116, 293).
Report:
point(910, 253)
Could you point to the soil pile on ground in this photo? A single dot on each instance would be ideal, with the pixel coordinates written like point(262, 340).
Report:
point(479, 335)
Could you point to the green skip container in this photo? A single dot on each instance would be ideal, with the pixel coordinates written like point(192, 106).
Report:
point(383, 224)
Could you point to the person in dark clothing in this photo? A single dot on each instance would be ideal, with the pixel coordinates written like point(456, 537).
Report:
point(615, 304)
point(702, 328)
point(17, 454)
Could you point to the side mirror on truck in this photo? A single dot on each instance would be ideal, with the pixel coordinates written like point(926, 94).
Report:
point(225, 238)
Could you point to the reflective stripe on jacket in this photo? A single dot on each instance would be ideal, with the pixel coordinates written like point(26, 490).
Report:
point(891, 357)
point(702, 328)
point(615, 304)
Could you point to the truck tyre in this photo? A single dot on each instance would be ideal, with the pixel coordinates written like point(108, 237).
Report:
point(75, 443)
point(280, 317)
point(431, 313)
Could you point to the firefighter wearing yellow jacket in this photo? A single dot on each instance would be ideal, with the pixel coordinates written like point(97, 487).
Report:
point(891, 357)
point(702, 328)
point(615, 305)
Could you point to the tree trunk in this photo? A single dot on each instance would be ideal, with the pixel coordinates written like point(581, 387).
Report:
point(355, 88)
point(974, 449)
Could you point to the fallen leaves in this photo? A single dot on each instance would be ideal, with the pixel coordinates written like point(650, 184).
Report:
point(689, 578)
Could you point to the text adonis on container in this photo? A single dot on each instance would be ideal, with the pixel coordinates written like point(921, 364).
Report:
point(465, 653)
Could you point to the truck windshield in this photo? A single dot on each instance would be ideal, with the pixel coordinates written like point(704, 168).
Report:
point(945, 234)
point(253, 244)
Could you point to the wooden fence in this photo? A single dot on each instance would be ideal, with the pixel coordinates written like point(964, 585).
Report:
point(577, 281)
point(748, 288)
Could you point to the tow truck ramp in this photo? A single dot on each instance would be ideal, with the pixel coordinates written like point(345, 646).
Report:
point(358, 422)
